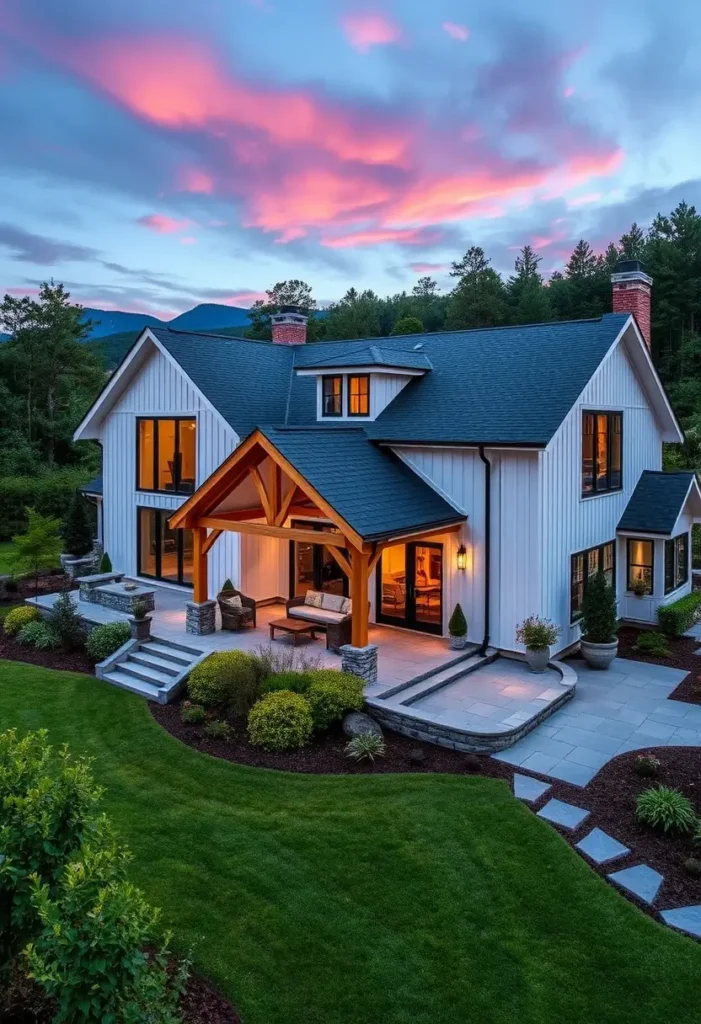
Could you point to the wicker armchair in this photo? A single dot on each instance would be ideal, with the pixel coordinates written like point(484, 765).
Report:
point(236, 619)
point(338, 633)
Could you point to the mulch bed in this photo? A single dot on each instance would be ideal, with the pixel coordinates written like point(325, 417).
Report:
point(681, 655)
point(69, 661)
point(48, 583)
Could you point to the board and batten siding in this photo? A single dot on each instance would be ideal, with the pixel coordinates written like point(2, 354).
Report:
point(160, 389)
point(571, 523)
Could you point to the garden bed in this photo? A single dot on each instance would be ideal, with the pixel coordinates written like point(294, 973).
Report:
point(681, 655)
point(71, 661)
point(48, 583)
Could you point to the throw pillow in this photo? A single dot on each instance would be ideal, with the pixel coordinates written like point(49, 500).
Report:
point(313, 599)
point(233, 602)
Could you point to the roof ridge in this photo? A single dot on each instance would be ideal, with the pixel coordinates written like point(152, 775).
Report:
point(211, 334)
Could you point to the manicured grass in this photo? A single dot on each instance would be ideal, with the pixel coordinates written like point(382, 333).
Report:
point(345, 900)
point(7, 554)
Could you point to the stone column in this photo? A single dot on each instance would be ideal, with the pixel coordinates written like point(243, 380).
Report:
point(361, 661)
point(201, 617)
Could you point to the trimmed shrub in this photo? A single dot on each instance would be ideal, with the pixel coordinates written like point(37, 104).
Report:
point(599, 622)
point(227, 681)
point(365, 747)
point(665, 808)
point(297, 682)
point(331, 694)
point(218, 730)
point(653, 643)
point(67, 624)
point(677, 617)
point(76, 530)
point(280, 721)
point(647, 765)
point(105, 640)
point(227, 585)
point(39, 634)
point(105, 563)
point(20, 616)
point(458, 623)
point(192, 714)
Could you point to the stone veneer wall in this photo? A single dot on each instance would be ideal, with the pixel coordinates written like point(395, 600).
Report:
point(360, 661)
point(201, 619)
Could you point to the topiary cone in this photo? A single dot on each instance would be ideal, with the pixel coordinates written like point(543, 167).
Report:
point(458, 623)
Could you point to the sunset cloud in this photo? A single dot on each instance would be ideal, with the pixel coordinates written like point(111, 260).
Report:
point(380, 236)
point(428, 268)
point(162, 224)
point(455, 31)
point(367, 29)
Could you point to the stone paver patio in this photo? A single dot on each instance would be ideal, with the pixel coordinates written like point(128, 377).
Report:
point(624, 708)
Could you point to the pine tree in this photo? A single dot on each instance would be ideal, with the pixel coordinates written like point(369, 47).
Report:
point(77, 531)
point(284, 293)
point(479, 298)
point(40, 547)
point(528, 298)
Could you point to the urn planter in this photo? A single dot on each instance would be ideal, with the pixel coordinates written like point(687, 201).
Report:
point(537, 658)
point(598, 656)
point(457, 643)
point(140, 629)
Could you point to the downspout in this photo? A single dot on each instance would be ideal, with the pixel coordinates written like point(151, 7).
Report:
point(487, 544)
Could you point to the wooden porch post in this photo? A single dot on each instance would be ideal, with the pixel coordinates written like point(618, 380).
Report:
point(201, 586)
point(359, 597)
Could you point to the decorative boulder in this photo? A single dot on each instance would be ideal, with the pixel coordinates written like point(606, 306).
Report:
point(358, 724)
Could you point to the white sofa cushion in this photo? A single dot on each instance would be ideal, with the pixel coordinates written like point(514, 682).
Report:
point(301, 611)
point(314, 599)
point(334, 603)
point(233, 602)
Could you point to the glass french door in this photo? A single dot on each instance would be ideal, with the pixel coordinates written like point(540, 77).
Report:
point(162, 553)
point(410, 587)
point(313, 567)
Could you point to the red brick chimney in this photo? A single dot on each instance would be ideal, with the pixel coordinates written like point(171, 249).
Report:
point(289, 326)
point(632, 289)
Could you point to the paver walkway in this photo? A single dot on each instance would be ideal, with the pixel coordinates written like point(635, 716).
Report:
point(624, 708)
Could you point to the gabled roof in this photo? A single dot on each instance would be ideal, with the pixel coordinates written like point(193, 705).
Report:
point(657, 502)
point(371, 489)
point(94, 486)
point(369, 355)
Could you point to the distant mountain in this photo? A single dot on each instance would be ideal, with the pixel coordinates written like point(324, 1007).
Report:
point(204, 317)
point(108, 321)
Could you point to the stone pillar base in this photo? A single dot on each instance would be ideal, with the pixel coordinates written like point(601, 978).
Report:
point(361, 661)
point(201, 618)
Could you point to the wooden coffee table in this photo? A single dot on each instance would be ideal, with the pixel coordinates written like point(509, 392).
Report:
point(296, 627)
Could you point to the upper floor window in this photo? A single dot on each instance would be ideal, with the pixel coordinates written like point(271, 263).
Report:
point(676, 562)
point(359, 396)
point(602, 452)
point(166, 454)
point(332, 396)
point(586, 564)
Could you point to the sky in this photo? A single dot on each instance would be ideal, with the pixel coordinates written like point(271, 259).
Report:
point(156, 155)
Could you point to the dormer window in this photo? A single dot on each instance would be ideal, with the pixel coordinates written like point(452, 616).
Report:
point(332, 396)
point(359, 396)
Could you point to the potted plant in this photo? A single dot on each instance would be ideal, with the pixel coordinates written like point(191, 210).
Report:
point(639, 587)
point(537, 636)
point(140, 621)
point(457, 629)
point(599, 623)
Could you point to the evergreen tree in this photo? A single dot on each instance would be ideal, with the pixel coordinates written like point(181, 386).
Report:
point(632, 243)
point(76, 530)
point(528, 298)
point(408, 325)
point(479, 298)
point(284, 293)
point(39, 548)
point(357, 315)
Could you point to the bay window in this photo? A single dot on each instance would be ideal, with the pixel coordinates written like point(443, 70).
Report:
point(676, 562)
point(602, 452)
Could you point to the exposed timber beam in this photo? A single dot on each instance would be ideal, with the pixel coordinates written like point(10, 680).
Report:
point(332, 540)
point(211, 541)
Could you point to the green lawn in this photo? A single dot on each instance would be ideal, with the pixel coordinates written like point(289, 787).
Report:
point(360, 900)
point(7, 551)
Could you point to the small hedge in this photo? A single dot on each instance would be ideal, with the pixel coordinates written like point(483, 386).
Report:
point(331, 694)
point(297, 682)
point(677, 617)
point(280, 721)
point(227, 681)
point(105, 640)
point(20, 616)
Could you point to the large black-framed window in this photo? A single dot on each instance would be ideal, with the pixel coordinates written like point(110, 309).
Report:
point(584, 565)
point(312, 566)
point(641, 563)
point(332, 396)
point(162, 553)
point(602, 452)
point(359, 395)
point(676, 562)
point(166, 454)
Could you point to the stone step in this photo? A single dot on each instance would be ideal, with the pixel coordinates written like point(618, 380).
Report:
point(128, 682)
point(392, 691)
point(146, 675)
point(144, 657)
point(171, 652)
point(416, 689)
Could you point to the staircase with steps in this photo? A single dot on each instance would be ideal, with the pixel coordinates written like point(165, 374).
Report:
point(154, 668)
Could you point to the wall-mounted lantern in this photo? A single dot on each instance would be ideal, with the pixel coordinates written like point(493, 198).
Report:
point(462, 557)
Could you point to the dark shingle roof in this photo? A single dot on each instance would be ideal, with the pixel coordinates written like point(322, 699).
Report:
point(656, 502)
point(370, 488)
point(94, 486)
point(320, 357)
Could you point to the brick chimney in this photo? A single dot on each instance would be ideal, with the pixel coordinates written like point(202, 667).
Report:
point(289, 326)
point(632, 288)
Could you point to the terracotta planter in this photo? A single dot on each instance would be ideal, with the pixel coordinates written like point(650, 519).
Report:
point(457, 643)
point(598, 656)
point(537, 658)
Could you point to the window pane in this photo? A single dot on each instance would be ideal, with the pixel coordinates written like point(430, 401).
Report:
point(588, 454)
point(167, 473)
point(640, 562)
point(616, 454)
point(669, 566)
point(147, 542)
point(602, 467)
point(592, 562)
point(607, 562)
point(145, 454)
point(188, 456)
point(682, 559)
point(169, 549)
point(577, 585)
point(394, 581)
point(428, 584)
point(359, 396)
point(332, 402)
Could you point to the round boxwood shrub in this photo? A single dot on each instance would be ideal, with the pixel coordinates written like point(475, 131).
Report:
point(39, 634)
point(105, 640)
point(281, 720)
point(19, 617)
point(227, 681)
point(297, 682)
point(331, 694)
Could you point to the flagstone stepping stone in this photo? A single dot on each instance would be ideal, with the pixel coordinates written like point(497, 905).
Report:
point(563, 814)
point(601, 847)
point(686, 919)
point(529, 789)
point(641, 880)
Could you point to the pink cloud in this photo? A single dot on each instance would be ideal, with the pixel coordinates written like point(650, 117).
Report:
point(455, 31)
point(162, 224)
point(379, 236)
point(244, 298)
point(367, 29)
point(194, 179)
point(428, 268)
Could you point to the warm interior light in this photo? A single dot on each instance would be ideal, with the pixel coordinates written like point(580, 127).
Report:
point(462, 557)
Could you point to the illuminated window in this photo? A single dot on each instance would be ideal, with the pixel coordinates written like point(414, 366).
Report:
point(641, 563)
point(332, 396)
point(166, 455)
point(676, 562)
point(602, 452)
point(585, 565)
point(359, 396)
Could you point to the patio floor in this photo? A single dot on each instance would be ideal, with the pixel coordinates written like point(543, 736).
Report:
point(403, 655)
